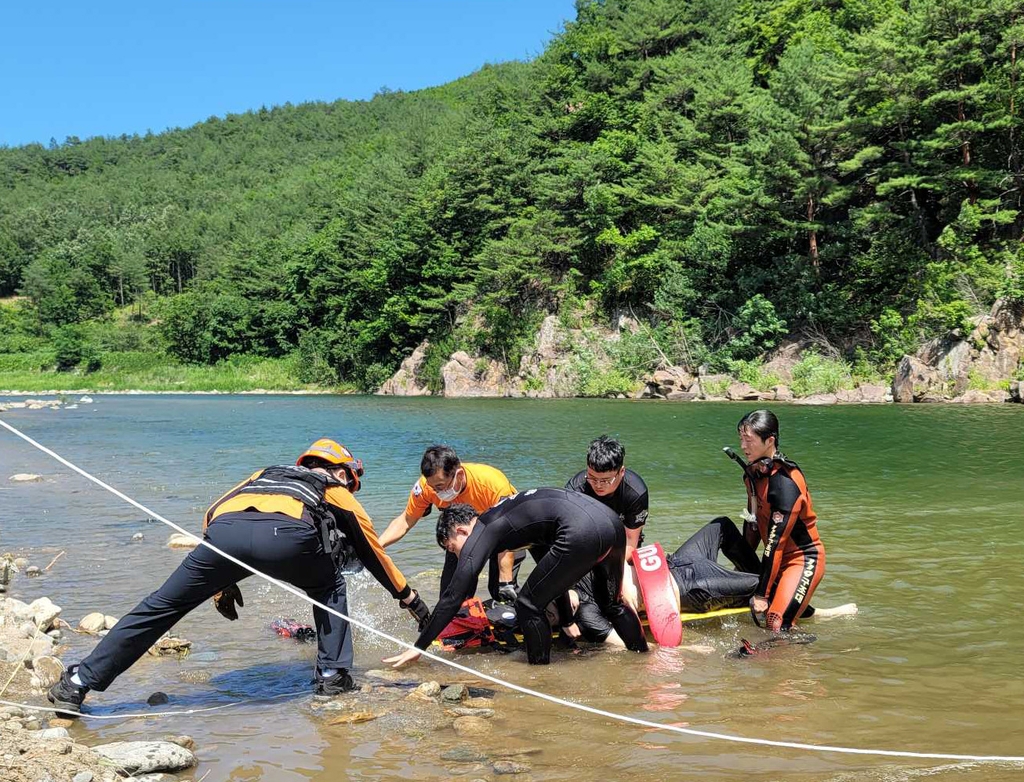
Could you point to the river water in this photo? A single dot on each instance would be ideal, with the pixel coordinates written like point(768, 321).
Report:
point(920, 508)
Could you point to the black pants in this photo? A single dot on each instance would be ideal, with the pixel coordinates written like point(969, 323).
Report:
point(598, 548)
point(704, 585)
point(284, 548)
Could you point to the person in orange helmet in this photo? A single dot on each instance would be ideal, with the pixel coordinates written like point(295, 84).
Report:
point(292, 522)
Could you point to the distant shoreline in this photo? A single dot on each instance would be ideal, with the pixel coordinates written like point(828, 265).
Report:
point(137, 392)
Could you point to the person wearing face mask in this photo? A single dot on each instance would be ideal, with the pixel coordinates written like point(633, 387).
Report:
point(793, 561)
point(444, 480)
point(289, 521)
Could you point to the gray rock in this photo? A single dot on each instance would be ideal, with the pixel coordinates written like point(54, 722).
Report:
point(468, 727)
point(54, 733)
point(510, 767)
point(27, 630)
point(32, 724)
point(43, 645)
point(454, 693)
point(48, 670)
point(426, 692)
point(179, 540)
point(82, 776)
point(817, 399)
point(44, 613)
point(913, 379)
point(461, 711)
point(158, 699)
point(26, 477)
point(20, 563)
point(138, 537)
point(147, 756)
point(463, 755)
point(92, 623)
point(405, 382)
point(32, 571)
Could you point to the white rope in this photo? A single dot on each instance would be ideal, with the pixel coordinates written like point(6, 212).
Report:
point(142, 715)
point(511, 685)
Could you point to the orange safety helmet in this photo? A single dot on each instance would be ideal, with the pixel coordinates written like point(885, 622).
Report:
point(334, 452)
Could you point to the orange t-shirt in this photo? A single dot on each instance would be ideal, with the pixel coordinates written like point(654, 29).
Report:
point(485, 488)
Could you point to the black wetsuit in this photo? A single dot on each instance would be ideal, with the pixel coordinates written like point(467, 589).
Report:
point(569, 535)
point(704, 585)
point(630, 500)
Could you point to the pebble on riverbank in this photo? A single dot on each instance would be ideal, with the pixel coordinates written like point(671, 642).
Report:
point(178, 540)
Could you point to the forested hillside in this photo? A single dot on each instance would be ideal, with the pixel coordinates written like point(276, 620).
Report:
point(728, 172)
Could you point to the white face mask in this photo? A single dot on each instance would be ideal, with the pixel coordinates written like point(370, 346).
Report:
point(449, 494)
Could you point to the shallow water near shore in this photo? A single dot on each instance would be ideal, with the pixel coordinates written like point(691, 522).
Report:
point(920, 509)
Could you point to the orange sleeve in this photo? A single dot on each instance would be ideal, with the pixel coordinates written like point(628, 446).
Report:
point(421, 497)
point(360, 532)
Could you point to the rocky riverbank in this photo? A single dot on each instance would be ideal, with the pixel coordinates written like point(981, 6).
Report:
point(981, 367)
point(36, 745)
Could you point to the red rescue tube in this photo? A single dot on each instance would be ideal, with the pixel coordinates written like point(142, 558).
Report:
point(662, 605)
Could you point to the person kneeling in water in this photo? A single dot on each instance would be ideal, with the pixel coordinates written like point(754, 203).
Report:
point(700, 583)
point(569, 535)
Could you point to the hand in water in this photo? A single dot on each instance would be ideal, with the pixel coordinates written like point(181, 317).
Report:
point(573, 631)
point(407, 657)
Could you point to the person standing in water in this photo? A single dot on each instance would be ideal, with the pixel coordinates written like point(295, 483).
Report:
point(291, 522)
point(793, 561)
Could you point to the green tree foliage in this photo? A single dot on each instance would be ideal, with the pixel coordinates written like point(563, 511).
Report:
point(725, 170)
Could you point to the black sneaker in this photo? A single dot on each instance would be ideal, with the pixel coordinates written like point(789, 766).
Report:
point(336, 684)
point(66, 695)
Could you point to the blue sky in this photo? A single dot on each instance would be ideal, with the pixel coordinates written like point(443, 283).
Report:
point(109, 67)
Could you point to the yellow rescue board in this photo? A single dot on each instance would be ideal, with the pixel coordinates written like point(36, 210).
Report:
point(712, 614)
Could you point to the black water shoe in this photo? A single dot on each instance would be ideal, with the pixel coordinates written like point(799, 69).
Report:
point(66, 695)
point(335, 684)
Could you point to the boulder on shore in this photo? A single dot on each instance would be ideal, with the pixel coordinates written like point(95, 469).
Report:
point(93, 623)
point(135, 757)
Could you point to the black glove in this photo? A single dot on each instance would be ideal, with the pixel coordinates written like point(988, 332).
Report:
point(508, 592)
point(419, 611)
point(225, 602)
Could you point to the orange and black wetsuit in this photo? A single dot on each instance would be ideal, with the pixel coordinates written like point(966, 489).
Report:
point(794, 557)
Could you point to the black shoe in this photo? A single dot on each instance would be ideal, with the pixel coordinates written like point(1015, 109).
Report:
point(335, 684)
point(66, 695)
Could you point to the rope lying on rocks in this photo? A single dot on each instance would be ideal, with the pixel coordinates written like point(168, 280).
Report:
point(144, 714)
point(502, 682)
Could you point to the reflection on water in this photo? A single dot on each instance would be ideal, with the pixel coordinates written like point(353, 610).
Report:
point(919, 506)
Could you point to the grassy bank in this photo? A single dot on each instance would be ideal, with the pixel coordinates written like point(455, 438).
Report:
point(154, 372)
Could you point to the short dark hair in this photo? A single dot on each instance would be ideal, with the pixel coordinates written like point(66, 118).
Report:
point(458, 515)
point(763, 423)
point(606, 454)
point(439, 457)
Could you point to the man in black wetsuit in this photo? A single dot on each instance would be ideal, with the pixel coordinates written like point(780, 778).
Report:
point(607, 480)
point(569, 535)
